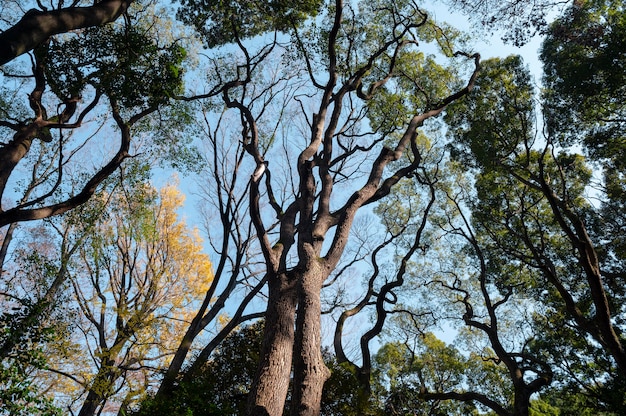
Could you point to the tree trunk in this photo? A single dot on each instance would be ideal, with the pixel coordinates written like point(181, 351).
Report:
point(269, 391)
point(310, 371)
point(12, 154)
point(521, 404)
point(100, 387)
point(169, 379)
point(90, 405)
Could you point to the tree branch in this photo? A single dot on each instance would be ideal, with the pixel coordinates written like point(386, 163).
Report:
point(35, 26)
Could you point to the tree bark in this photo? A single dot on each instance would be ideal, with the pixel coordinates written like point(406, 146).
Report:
point(521, 405)
point(269, 391)
point(35, 26)
point(310, 372)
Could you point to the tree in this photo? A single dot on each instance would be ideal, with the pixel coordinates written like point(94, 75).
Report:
point(134, 281)
point(454, 281)
point(304, 239)
point(543, 220)
point(537, 237)
point(434, 367)
point(33, 303)
point(19, 393)
point(68, 79)
point(45, 161)
point(406, 217)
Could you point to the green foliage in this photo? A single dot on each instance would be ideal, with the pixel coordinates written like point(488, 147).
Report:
point(124, 63)
point(223, 22)
point(19, 393)
point(531, 205)
point(585, 76)
point(170, 134)
point(221, 385)
point(585, 80)
point(540, 407)
point(432, 366)
point(493, 123)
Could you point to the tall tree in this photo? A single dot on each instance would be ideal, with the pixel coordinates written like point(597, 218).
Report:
point(354, 57)
point(531, 204)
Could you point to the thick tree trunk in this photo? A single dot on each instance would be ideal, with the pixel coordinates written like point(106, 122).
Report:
point(11, 154)
point(269, 391)
point(35, 27)
point(521, 404)
point(309, 369)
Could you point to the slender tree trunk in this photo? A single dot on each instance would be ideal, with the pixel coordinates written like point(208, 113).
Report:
point(169, 379)
point(310, 371)
point(269, 391)
point(90, 405)
point(100, 387)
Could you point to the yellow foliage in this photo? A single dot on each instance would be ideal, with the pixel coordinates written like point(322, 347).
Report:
point(144, 267)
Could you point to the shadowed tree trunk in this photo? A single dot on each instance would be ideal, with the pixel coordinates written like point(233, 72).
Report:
point(272, 382)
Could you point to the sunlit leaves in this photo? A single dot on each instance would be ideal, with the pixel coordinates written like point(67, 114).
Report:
point(495, 122)
point(585, 75)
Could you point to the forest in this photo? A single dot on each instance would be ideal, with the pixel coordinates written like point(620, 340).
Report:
point(317, 207)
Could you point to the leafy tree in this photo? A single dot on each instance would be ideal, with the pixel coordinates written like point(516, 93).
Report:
point(70, 78)
point(33, 317)
point(134, 281)
point(434, 367)
point(220, 386)
point(532, 207)
point(19, 393)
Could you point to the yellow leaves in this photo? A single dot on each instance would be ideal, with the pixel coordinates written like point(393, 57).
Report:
point(222, 320)
point(138, 278)
point(185, 259)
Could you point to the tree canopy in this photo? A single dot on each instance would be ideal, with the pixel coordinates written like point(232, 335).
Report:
point(391, 224)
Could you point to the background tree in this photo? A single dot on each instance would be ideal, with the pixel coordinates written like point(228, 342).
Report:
point(517, 21)
point(134, 281)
